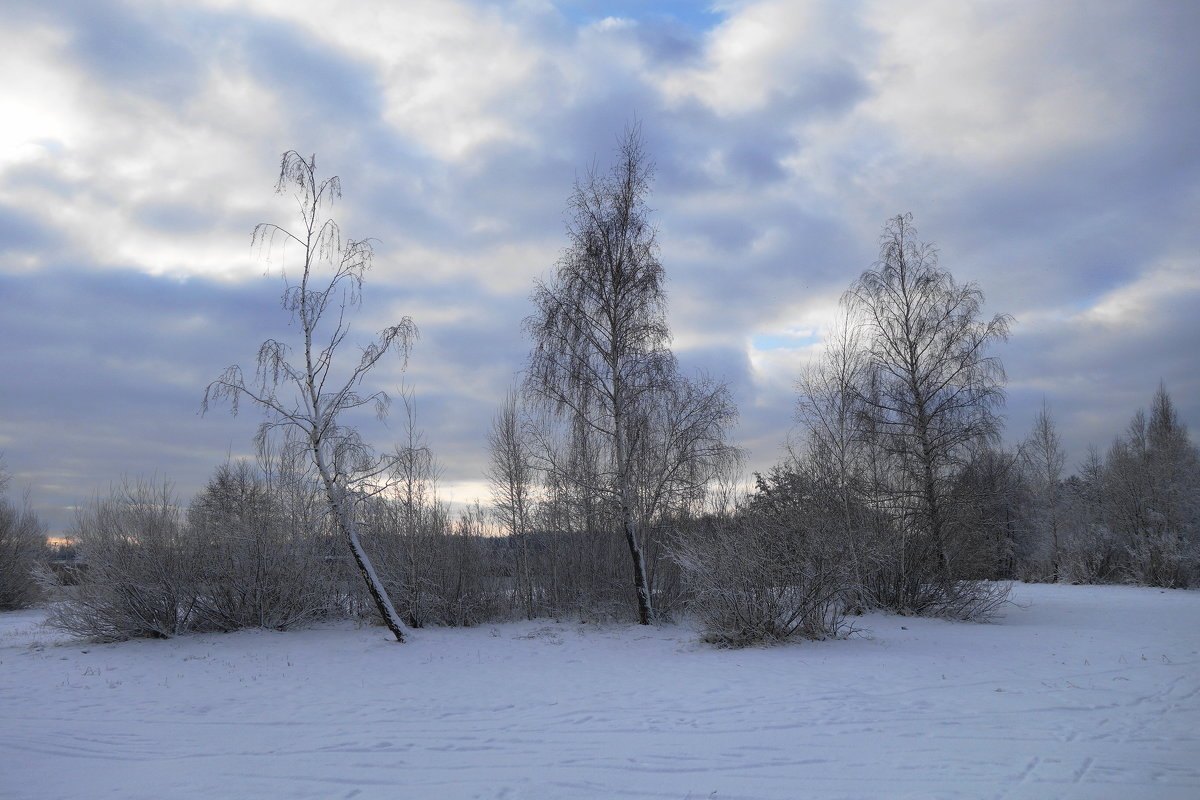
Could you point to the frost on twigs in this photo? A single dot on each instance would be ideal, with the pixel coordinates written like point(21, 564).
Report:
point(304, 388)
point(753, 581)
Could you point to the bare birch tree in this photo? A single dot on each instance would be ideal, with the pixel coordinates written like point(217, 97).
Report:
point(511, 477)
point(601, 355)
point(305, 390)
point(1091, 550)
point(417, 520)
point(1043, 458)
point(830, 411)
point(931, 396)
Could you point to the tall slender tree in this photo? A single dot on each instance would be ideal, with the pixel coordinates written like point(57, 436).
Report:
point(1043, 458)
point(304, 389)
point(601, 358)
point(932, 391)
point(829, 410)
point(511, 475)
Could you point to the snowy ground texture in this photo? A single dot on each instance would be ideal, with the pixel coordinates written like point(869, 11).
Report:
point(1079, 692)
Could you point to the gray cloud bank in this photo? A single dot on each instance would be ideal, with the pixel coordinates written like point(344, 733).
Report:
point(1049, 150)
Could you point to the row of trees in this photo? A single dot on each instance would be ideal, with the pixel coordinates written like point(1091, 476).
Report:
point(257, 547)
point(615, 488)
point(1131, 515)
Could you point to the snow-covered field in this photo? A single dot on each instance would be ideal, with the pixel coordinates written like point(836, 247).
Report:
point(1079, 692)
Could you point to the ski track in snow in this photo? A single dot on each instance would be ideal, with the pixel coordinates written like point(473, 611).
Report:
point(1078, 692)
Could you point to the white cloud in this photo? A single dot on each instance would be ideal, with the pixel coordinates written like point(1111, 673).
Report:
point(443, 67)
point(1133, 305)
point(40, 101)
point(762, 50)
point(794, 336)
point(506, 268)
point(988, 83)
point(106, 155)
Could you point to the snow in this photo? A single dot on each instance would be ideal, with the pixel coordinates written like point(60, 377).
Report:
point(1078, 692)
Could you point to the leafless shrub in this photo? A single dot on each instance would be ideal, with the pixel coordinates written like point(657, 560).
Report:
point(255, 569)
point(754, 580)
point(469, 587)
point(22, 547)
point(1090, 551)
point(409, 560)
point(988, 513)
point(438, 572)
point(140, 568)
point(1089, 555)
point(968, 600)
point(579, 555)
point(249, 552)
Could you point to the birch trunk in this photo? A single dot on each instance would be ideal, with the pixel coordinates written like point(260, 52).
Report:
point(343, 515)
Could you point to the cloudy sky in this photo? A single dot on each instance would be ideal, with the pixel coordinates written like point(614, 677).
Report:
point(1049, 149)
